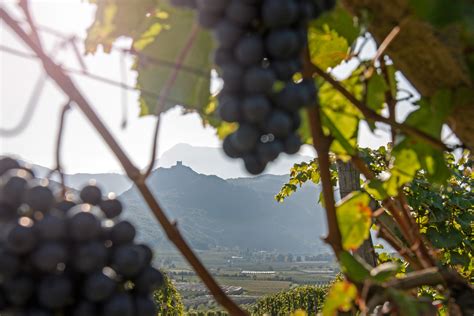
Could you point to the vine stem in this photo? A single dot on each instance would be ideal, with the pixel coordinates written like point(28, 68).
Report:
point(374, 116)
point(67, 85)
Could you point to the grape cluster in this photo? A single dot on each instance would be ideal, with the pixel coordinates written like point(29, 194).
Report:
point(65, 257)
point(260, 43)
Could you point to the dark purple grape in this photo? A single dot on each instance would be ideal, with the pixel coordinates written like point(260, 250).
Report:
point(227, 33)
point(241, 13)
point(55, 292)
point(250, 50)
point(229, 108)
point(7, 212)
point(91, 194)
point(51, 227)
point(277, 13)
point(147, 252)
point(283, 43)
point(98, 287)
point(90, 257)
point(148, 280)
point(256, 108)
point(111, 208)
point(229, 149)
point(259, 80)
point(292, 144)
point(21, 239)
point(285, 69)
point(223, 56)
point(19, 289)
point(310, 92)
point(290, 98)
point(217, 6)
point(129, 260)
point(232, 75)
point(144, 306)
point(9, 264)
point(245, 138)
point(119, 305)
point(279, 124)
point(84, 226)
point(8, 163)
point(122, 233)
point(48, 255)
point(296, 118)
point(13, 191)
point(269, 151)
point(253, 164)
point(39, 198)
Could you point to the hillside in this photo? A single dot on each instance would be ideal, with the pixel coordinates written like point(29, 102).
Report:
point(241, 212)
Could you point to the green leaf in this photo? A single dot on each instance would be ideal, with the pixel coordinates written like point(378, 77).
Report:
point(354, 217)
point(376, 89)
point(340, 21)
point(340, 298)
point(354, 267)
point(409, 305)
point(443, 237)
point(326, 47)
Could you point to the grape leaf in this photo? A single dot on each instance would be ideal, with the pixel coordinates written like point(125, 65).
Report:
point(340, 21)
point(326, 47)
point(354, 217)
point(354, 267)
point(376, 89)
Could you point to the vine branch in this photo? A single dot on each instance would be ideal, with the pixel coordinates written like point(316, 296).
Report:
point(69, 88)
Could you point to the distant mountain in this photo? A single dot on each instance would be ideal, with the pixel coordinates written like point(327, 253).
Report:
point(211, 211)
point(209, 160)
point(109, 182)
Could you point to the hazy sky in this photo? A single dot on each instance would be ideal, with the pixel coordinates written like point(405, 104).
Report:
point(83, 150)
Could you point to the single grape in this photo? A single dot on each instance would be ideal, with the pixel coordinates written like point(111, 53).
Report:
point(91, 194)
point(292, 144)
point(229, 148)
point(277, 13)
point(13, 191)
point(245, 138)
point(111, 208)
point(259, 80)
point(144, 306)
point(51, 227)
point(296, 121)
point(19, 289)
point(232, 75)
point(148, 280)
point(269, 151)
point(7, 212)
point(241, 13)
point(279, 124)
point(250, 50)
point(291, 97)
point(90, 257)
point(256, 108)
point(310, 92)
point(285, 69)
point(229, 108)
point(8, 163)
point(223, 56)
point(122, 233)
point(98, 287)
point(48, 255)
point(253, 164)
point(119, 305)
point(84, 226)
point(128, 260)
point(55, 292)
point(227, 33)
point(147, 252)
point(283, 43)
point(21, 239)
point(9, 264)
point(39, 198)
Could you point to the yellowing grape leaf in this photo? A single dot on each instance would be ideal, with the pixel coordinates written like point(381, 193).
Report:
point(354, 217)
point(326, 47)
point(340, 298)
